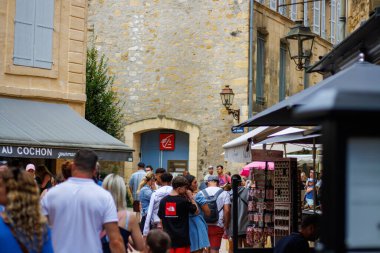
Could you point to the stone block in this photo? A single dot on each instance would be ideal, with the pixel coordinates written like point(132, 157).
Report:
point(76, 78)
point(78, 12)
point(76, 46)
point(77, 23)
point(76, 68)
point(76, 35)
point(76, 57)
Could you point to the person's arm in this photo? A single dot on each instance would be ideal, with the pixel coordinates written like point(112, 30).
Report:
point(193, 205)
point(116, 242)
point(149, 215)
point(226, 216)
point(131, 185)
point(137, 239)
point(206, 210)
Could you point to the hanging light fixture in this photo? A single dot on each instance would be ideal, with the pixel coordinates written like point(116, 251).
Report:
point(300, 40)
point(227, 96)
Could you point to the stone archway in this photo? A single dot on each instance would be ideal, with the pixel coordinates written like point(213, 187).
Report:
point(133, 131)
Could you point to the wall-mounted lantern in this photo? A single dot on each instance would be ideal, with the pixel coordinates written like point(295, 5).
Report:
point(227, 96)
point(300, 40)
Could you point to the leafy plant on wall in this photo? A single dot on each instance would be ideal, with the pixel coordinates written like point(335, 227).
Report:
point(103, 107)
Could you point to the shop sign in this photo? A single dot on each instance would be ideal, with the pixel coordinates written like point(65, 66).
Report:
point(36, 152)
point(167, 141)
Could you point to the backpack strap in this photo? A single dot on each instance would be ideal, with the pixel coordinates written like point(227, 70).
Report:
point(239, 192)
point(216, 198)
point(205, 193)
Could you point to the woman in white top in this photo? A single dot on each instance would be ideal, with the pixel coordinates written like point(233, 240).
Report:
point(128, 224)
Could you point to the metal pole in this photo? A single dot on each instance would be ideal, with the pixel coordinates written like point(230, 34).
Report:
point(305, 74)
point(250, 59)
point(235, 185)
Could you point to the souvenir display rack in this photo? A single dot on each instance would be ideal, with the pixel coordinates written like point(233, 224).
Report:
point(260, 230)
point(274, 207)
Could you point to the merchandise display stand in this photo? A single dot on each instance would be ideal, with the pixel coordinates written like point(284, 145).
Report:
point(274, 207)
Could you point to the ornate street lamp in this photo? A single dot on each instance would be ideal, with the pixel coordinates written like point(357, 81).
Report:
point(227, 96)
point(300, 50)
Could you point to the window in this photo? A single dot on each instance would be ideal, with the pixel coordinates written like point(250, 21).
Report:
point(293, 10)
point(338, 37)
point(260, 1)
point(282, 72)
point(305, 14)
point(33, 33)
point(282, 9)
point(316, 17)
point(323, 19)
point(333, 21)
point(273, 4)
point(260, 63)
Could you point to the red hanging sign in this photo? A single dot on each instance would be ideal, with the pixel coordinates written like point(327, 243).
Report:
point(167, 141)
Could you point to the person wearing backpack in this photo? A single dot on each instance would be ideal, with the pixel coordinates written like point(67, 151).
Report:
point(218, 221)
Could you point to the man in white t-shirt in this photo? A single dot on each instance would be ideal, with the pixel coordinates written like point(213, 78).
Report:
point(218, 230)
point(79, 209)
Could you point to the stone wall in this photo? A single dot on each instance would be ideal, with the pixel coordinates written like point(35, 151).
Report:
point(172, 58)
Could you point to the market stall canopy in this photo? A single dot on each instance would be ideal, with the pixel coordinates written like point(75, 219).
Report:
point(238, 150)
point(282, 114)
point(33, 129)
point(356, 89)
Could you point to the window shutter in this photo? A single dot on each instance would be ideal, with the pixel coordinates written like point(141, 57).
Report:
point(333, 21)
point(338, 37)
point(316, 17)
point(282, 9)
point(305, 14)
point(273, 4)
point(293, 10)
point(260, 63)
point(24, 33)
point(44, 25)
point(282, 79)
point(323, 21)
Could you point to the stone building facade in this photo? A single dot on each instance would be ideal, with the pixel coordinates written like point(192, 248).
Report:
point(64, 81)
point(171, 59)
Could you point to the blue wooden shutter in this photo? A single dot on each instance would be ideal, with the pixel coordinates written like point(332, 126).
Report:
point(24, 33)
point(282, 77)
point(260, 63)
point(338, 37)
point(44, 25)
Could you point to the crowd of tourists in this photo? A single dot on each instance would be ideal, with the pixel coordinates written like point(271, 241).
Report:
point(70, 212)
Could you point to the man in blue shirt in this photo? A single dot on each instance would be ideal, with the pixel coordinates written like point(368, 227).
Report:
point(133, 186)
point(298, 242)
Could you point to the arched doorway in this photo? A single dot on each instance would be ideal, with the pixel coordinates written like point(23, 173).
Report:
point(165, 148)
point(133, 137)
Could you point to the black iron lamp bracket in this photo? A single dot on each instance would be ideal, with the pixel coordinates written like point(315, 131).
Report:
point(235, 113)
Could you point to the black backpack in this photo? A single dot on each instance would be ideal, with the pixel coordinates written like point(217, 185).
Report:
point(212, 205)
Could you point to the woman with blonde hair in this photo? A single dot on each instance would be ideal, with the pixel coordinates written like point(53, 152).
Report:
point(145, 190)
point(128, 224)
point(23, 228)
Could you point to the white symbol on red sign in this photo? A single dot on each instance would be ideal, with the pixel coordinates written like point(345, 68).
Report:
point(167, 142)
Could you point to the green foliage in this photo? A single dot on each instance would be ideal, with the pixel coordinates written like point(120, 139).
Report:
point(103, 108)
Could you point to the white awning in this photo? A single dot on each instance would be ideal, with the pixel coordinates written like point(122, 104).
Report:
point(238, 150)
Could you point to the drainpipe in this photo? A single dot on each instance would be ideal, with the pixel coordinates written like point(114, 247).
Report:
point(250, 58)
point(342, 20)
